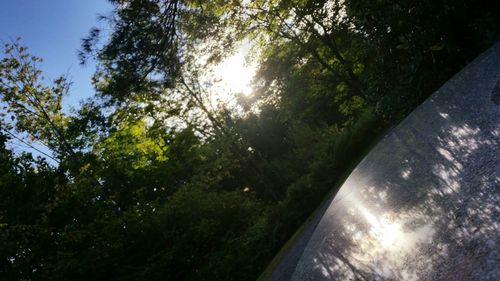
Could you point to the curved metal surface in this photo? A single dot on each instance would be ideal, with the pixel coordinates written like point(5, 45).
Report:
point(425, 202)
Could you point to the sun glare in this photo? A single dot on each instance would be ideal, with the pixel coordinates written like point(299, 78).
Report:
point(388, 233)
point(235, 75)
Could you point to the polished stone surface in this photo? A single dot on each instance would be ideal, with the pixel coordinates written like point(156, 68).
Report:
point(425, 202)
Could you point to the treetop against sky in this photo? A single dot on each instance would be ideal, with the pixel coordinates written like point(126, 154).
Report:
point(52, 29)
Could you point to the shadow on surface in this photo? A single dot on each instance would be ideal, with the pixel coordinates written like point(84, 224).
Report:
point(424, 204)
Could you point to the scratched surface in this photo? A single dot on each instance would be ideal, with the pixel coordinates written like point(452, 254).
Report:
point(425, 202)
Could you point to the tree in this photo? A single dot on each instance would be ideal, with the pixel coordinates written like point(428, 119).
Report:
point(36, 110)
point(149, 181)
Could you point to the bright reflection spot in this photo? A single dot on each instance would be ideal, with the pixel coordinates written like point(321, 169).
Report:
point(378, 239)
point(387, 233)
point(444, 115)
point(406, 174)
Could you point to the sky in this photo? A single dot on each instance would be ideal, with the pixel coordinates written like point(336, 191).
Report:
point(52, 30)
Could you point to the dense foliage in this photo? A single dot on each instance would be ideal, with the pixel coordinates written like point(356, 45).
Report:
point(147, 181)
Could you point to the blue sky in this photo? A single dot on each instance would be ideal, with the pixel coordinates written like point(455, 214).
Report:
point(52, 30)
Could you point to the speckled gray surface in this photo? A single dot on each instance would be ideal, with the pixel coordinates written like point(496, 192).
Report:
point(425, 202)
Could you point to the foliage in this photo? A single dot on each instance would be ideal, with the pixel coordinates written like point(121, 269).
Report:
point(147, 181)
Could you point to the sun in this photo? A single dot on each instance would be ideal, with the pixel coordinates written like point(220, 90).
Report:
point(235, 75)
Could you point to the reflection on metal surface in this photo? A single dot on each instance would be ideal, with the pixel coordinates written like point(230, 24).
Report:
point(425, 202)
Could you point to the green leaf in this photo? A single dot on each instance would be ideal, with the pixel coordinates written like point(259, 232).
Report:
point(436, 47)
